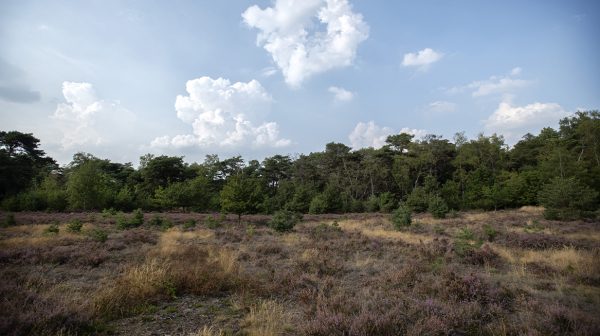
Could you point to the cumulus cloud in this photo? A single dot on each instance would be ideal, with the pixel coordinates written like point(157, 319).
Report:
point(515, 120)
point(340, 94)
point(225, 115)
point(372, 135)
point(422, 59)
point(83, 118)
point(494, 85)
point(289, 32)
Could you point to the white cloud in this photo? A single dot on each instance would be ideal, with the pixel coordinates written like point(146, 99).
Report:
point(340, 94)
point(422, 59)
point(84, 119)
point(516, 71)
point(441, 107)
point(494, 85)
point(224, 115)
point(371, 135)
point(289, 32)
point(512, 121)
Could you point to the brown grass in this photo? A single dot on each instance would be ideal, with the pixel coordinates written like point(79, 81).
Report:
point(359, 277)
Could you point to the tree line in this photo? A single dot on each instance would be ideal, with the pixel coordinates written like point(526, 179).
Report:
point(557, 168)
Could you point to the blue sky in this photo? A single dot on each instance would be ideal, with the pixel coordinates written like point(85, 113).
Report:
point(123, 78)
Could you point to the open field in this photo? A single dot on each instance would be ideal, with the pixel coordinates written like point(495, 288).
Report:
point(492, 273)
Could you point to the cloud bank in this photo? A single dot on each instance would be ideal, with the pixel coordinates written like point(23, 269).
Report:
point(224, 115)
point(289, 32)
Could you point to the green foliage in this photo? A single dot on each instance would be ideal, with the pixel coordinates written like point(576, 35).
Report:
point(75, 226)
point(490, 232)
point(190, 223)
point(438, 207)
point(402, 217)
point(89, 187)
point(561, 166)
point(466, 234)
point(387, 202)
point(241, 195)
point(284, 220)
point(567, 199)
point(124, 222)
point(138, 218)
point(372, 204)
point(213, 223)
point(318, 205)
point(98, 235)
point(9, 220)
point(52, 229)
point(418, 200)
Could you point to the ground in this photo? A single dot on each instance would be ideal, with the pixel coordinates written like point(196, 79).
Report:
point(492, 273)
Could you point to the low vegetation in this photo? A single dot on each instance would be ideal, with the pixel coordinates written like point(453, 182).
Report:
point(477, 273)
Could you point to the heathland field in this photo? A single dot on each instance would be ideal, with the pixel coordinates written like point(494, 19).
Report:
point(477, 273)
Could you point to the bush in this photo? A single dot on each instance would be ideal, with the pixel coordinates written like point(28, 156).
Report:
point(418, 200)
point(212, 223)
point(52, 229)
point(567, 199)
point(387, 203)
point(189, 224)
point(318, 205)
point(9, 220)
point(372, 204)
point(438, 207)
point(74, 225)
point(284, 220)
point(99, 235)
point(138, 218)
point(401, 217)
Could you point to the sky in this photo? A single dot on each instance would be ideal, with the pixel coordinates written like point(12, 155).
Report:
point(120, 79)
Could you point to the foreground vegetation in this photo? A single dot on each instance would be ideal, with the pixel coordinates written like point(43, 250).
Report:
point(471, 273)
point(559, 169)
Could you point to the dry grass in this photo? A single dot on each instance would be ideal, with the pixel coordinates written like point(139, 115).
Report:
point(209, 331)
point(360, 277)
point(267, 318)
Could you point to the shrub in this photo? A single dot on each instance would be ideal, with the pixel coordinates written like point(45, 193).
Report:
point(567, 199)
point(10, 220)
point(98, 235)
point(438, 207)
point(189, 224)
point(418, 200)
point(401, 217)
point(156, 220)
point(138, 218)
point(318, 205)
point(387, 203)
point(490, 232)
point(74, 225)
point(52, 229)
point(372, 204)
point(122, 222)
point(212, 223)
point(107, 213)
point(284, 220)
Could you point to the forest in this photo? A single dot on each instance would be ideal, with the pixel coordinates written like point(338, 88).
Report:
point(557, 168)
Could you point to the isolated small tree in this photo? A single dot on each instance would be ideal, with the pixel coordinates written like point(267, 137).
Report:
point(284, 220)
point(438, 207)
point(401, 217)
point(567, 198)
point(239, 196)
